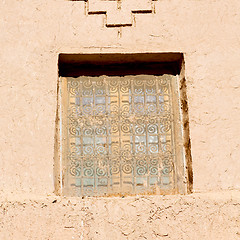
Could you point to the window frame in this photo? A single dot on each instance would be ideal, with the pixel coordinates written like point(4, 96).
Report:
point(183, 174)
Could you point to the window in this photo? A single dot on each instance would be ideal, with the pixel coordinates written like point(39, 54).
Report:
point(120, 134)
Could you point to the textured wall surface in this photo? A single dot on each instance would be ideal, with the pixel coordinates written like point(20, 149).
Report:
point(197, 216)
point(34, 32)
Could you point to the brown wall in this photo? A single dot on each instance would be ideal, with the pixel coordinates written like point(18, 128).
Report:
point(33, 33)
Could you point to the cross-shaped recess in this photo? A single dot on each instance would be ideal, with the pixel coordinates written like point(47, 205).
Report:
point(119, 12)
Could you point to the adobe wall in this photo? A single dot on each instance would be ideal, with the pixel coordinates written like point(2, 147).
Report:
point(34, 32)
point(197, 216)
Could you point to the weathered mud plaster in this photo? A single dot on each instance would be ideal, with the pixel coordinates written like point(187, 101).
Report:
point(33, 33)
point(195, 216)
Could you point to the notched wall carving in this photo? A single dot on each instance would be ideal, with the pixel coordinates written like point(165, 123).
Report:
point(119, 13)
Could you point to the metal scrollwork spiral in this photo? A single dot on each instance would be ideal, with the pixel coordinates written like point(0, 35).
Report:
point(75, 168)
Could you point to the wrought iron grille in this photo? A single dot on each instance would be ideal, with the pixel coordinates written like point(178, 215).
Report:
point(119, 135)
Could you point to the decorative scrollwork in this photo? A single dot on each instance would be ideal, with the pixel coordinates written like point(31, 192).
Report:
point(141, 170)
point(151, 108)
point(153, 148)
point(127, 168)
point(88, 109)
point(100, 109)
point(138, 90)
point(87, 131)
point(75, 168)
point(119, 132)
point(113, 85)
point(163, 107)
point(141, 162)
point(166, 170)
point(74, 88)
point(75, 131)
point(126, 152)
point(87, 92)
point(167, 165)
point(75, 149)
point(126, 126)
point(164, 80)
point(152, 129)
point(88, 162)
point(151, 82)
point(100, 149)
point(114, 128)
point(154, 161)
point(100, 82)
point(88, 150)
point(100, 91)
point(138, 82)
point(150, 90)
point(124, 85)
point(125, 111)
point(101, 171)
point(115, 149)
point(140, 148)
point(139, 129)
point(101, 130)
point(88, 172)
point(165, 125)
point(114, 108)
point(139, 108)
point(115, 169)
point(153, 170)
point(87, 83)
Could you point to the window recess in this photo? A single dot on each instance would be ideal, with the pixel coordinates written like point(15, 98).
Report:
point(121, 130)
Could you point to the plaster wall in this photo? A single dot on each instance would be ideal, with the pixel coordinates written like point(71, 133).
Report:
point(195, 217)
point(34, 32)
